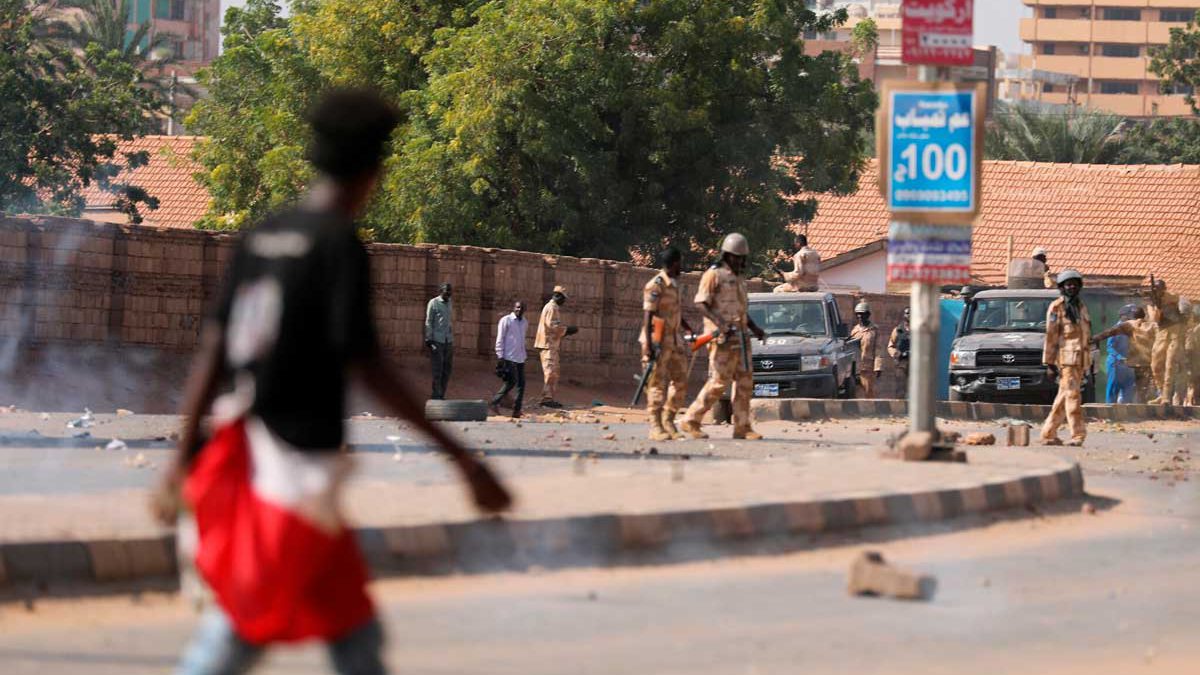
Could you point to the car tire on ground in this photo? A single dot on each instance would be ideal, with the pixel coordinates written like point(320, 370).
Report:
point(845, 389)
point(456, 411)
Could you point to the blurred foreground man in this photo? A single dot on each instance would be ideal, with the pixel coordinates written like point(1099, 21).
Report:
point(550, 333)
point(662, 341)
point(291, 329)
point(870, 361)
point(1067, 356)
point(723, 301)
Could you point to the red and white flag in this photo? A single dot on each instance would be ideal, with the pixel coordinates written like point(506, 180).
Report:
point(272, 547)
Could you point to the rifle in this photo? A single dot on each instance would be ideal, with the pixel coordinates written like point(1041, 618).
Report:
point(659, 326)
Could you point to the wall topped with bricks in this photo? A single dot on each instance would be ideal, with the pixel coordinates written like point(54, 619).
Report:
point(66, 281)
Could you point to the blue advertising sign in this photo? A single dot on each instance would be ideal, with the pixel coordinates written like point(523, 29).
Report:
point(930, 153)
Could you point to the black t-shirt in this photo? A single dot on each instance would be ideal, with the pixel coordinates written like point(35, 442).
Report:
point(296, 312)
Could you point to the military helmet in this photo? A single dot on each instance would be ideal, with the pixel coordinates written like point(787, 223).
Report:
point(1067, 275)
point(1128, 311)
point(862, 308)
point(736, 244)
point(1038, 251)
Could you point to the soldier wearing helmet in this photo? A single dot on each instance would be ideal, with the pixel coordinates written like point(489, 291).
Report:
point(1031, 272)
point(1139, 333)
point(1167, 357)
point(870, 362)
point(1067, 357)
point(899, 345)
point(1192, 349)
point(722, 300)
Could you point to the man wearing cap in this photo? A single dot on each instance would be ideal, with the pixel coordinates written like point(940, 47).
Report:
point(1139, 332)
point(551, 330)
point(1031, 272)
point(899, 345)
point(870, 362)
point(1168, 342)
point(722, 300)
point(1067, 356)
point(662, 339)
point(805, 271)
point(439, 339)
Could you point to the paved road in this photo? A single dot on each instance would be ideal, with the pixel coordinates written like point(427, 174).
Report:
point(1115, 592)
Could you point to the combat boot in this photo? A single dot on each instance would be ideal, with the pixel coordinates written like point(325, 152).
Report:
point(668, 423)
point(693, 429)
point(747, 434)
point(657, 432)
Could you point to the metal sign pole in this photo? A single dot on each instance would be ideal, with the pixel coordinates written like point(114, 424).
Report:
point(925, 323)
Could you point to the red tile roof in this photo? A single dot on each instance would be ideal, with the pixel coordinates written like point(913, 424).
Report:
point(168, 177)
point(1103, 220)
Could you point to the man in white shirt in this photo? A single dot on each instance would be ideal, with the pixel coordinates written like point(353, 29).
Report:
point(510, 350)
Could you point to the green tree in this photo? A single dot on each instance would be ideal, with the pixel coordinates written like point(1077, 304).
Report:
point(62, 114)
point(1173, 140)
point(253, 118)
point(586, 127)
point(1178, 62)
point(1079, 137)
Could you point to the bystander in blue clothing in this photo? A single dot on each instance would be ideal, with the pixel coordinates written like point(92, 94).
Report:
point(1120, 376)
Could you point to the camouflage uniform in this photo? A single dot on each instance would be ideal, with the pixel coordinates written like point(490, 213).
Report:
point(1141, 333)
point(898, 348)
point(725, 293)
point(1167, 356)
point(1192, 347)
point(805, 275)
point(666, 391)
point(1067, 346)
point(550, 333)
point(870, 360)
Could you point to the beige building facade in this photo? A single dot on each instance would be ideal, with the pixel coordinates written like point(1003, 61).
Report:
point(1106, 45)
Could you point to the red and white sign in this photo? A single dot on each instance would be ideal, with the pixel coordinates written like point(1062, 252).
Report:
point(938, 32)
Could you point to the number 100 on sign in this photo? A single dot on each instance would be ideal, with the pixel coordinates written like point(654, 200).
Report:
point(930, 155)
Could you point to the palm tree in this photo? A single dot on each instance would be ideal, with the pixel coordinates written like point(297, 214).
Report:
point(1078, 137)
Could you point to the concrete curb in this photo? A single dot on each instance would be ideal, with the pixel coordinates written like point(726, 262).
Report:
point(494, 544)
point(797, 409)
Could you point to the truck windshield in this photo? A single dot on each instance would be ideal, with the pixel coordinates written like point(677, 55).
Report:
point(1005, 315)
point(803, 318)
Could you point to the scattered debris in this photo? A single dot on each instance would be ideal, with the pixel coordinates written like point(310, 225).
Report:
point(122, 412)
point(82, 434)
point(653, 451)
point(1088, 509)
point(83, 421)
point(45, 416)
point(915, 446)
point(950, 437)
point(116, 444)
point(1018, 435)
point(1132, 457)
point(610, 437)
point(871, 575)
point(980, 438)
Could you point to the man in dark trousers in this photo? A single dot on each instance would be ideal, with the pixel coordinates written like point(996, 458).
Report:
point(439, 339)
point(511, 355)
point(292, 329)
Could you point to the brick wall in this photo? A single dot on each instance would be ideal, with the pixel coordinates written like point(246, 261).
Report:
point(68, 283)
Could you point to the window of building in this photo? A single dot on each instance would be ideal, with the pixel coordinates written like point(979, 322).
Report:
point(1179, 89)
point(1116, 87)
point(1121, 14)
point(1123, 51)
point(1085, 49)
point(1052, 13)
point(1048, 88)
point(1177, 15)
point(1048, 48)
point(169, 9)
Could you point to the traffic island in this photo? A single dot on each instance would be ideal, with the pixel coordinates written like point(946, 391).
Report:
point(634, 510)
point(802, 409)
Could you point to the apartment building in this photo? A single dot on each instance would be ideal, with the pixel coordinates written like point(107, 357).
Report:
point(195, 26)
point(1105, 44)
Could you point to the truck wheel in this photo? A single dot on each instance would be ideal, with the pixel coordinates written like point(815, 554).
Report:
point(957, 397)
point(456, 411)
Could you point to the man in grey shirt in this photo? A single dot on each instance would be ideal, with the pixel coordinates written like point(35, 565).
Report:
point(511, 355)
point(439, 339)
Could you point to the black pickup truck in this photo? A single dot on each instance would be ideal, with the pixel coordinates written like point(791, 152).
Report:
point(807, 353)
point(997, 350)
